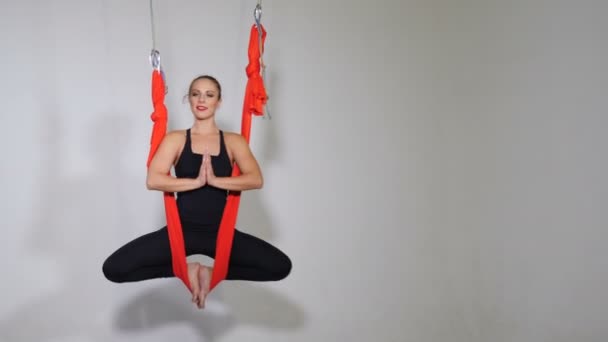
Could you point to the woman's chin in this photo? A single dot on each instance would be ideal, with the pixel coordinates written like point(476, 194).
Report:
point(203, 115)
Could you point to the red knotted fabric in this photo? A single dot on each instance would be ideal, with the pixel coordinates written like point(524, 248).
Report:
point(253, 104)
point(174, 226)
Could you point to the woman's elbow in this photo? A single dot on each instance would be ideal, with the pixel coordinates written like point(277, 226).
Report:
point(150, 182)
point(259, 182)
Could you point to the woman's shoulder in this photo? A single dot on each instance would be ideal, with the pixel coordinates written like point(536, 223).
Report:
point(233, 136)
point(176, 136)
point(177, 133)
point(235, 142)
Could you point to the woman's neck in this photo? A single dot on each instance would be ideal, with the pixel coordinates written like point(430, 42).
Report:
point(204, 127)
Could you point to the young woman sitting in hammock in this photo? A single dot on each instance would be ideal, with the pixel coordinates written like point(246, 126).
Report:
point(202, 156)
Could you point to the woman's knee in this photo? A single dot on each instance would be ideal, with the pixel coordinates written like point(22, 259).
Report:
point(113, 271)
point(282, 267)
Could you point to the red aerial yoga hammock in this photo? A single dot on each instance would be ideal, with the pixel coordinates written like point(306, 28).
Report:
point(255, 98)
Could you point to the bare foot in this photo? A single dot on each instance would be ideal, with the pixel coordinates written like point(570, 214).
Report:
point(204, 279)
point(193, 276)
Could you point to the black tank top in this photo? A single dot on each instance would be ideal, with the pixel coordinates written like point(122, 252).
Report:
point(205, 205)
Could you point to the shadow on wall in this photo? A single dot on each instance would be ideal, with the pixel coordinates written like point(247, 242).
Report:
point(270, 150)
point(242, 303)
point(73, 217)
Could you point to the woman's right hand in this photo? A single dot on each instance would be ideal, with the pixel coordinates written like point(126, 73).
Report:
point(202, 173)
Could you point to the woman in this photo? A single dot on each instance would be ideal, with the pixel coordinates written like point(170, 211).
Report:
point(202, 157)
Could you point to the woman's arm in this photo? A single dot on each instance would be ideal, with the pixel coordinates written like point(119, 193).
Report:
point(158, 177)
point(251, 175)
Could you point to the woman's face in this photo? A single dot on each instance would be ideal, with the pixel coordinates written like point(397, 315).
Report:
point(204, 98)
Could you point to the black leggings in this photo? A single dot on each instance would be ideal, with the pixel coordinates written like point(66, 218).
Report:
point(149, 256)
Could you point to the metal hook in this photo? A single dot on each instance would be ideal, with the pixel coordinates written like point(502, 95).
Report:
point(257, 14)
point(155, 59)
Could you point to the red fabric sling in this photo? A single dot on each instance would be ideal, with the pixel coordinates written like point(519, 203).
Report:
point(174, 226)
point(253, 104)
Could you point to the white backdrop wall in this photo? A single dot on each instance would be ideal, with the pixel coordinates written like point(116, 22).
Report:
point(522, 96)
point(434, 169)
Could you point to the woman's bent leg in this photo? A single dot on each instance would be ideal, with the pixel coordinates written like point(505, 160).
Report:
point(256, 260)
point(146, 257)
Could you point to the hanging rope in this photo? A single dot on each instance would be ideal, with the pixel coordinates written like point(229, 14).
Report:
point(152, 25)
point(154, 54)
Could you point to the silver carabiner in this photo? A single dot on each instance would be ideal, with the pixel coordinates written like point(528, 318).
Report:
point(257, 14)
point(155, 59)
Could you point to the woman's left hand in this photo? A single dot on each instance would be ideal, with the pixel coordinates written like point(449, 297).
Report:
point(209, 169)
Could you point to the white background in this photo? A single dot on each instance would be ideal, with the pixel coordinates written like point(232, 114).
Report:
point(436, 170)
